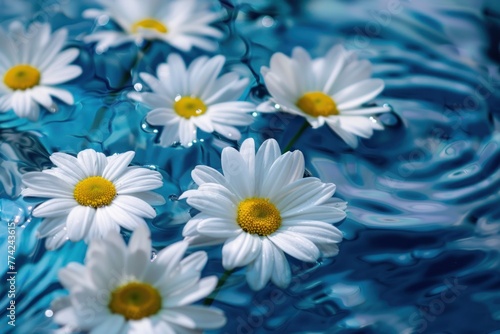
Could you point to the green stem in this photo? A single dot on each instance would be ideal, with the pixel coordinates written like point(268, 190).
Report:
point(210, 299)
point(292, 141)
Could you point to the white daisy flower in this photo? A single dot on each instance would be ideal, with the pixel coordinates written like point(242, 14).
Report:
point(90, 195)
point(261, 208)
point(31, 65)
point(327, 90)
point(185, 99)
point(120, 290)
point(181, 23)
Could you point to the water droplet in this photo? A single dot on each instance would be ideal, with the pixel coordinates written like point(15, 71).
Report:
point(152, 167)
point(154, 254)
point(138, 87)
point(146, 127)
point(173, 197)
point(103, 20)
point(267, 21)
point(49, 313)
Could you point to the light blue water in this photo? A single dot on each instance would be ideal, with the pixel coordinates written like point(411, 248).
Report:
point(422, 237)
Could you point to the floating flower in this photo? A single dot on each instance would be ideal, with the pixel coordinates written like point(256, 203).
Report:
point(31, 64)
point(327, 90)
point(261, 208)
point(180, 23)
point(185, 99)
point(91, 195)
point(120, 290)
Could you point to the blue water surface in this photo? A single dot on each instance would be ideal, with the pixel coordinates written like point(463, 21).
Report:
point(422, 235)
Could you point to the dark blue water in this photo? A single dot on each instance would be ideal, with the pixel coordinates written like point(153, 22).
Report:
point(422, 237)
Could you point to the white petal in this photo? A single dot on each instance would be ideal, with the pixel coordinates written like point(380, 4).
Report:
point(194, 316)
point(333, 64)
point(286, 169)
point(56, 241)
point(105, 261)
point(328, 249)
point(353, 72)
point(227, 131)
point(157, 87)
point(169, 135)
point(61, 94)
point(141, 326)
point(211, 203)
point(169, 258)
point(55, 207)
point(267, 154)
point(135, 180)
point(240, 250)
point(359, 125)
point(74, 274)
point(61, 75)
point(119, 217)
point(316, 231)
point(315, 212)
point(358, 93)
point(41, 97)
point(205, 174)
point(302, 194)
point(69, 164)
point(207, 75)
point(51, 226)
point(178, 73)
point(282, 274)
point(117, 165)
point(134, 206)
point(218, 228)
point(104, 223)
point(79, 221)
point(285, 69)
point(187, 132)
point(348, 137)
point(139, 252)
point(160, 116)
point(204, 287)
point(295, 245)
point(46, 185)
point(260, 270)
point(92, 162)
point(21, 104)
point(200, 240)
point(247, 151)
point(236, 172)
point(195, 261)
point(112, 324)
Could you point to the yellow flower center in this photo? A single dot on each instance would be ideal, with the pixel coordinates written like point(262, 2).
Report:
point(188, 107)
point(21, 77)
point(317, 104)
point(258, 216)
point(135, 300)
point(94, 191)
point(149, 23)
